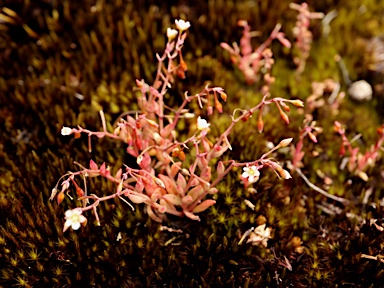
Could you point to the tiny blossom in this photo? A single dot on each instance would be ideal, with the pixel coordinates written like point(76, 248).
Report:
point(65, 131)
point(251, 173)
point(171, 34)
point(182, 25)
point(74, 219)
point(202, 124)
point(260, 235)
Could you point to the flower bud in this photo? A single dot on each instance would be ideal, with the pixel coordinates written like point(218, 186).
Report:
point(223, 96)
point(183, 65)
point(60, 197)
point(181, 155)
point(218, 106)
point(285, 142)
point(284, 116)
point(209, 110)
point(260, 125)
point(286, 108)
point(185, 172)
point(79, 191)
point(285, 174)
point(297, 103)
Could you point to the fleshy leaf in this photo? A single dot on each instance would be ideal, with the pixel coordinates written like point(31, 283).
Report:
point(203, 206)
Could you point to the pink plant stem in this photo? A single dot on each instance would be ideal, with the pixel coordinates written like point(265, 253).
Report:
point(267, 42)
point(245, 115)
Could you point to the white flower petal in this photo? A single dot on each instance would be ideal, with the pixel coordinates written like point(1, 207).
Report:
point(82, 219)
point(252, 173)
point(68, 214)
point(74, 219)
point(68, 223)
point(202, 124)
point(246, 169)
point(171, 33)
point(75, 225)
point(65, 131)
point(182, 25)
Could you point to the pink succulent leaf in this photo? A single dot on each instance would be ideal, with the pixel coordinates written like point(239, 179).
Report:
point(181, 182)
point(173, 199)
point(191, 216)
point(203, 206)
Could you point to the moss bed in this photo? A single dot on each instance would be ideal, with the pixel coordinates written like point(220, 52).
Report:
point(77, 57)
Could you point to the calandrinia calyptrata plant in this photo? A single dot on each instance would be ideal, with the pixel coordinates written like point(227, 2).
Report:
point(162, 179)
point(252, 62)
point(302, 33)
point(357, 162)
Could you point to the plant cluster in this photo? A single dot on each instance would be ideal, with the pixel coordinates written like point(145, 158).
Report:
point(302, 33)
point(255, 62)
point(98, 50)
point(164, 177)
point(357, 162)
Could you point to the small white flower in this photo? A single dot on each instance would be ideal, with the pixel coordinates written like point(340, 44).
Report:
point(182, 25)
point(251, 173)
point(65, 131)
point(260, 235)
point(202, 124)
point(171, 34)
point(74, 219)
